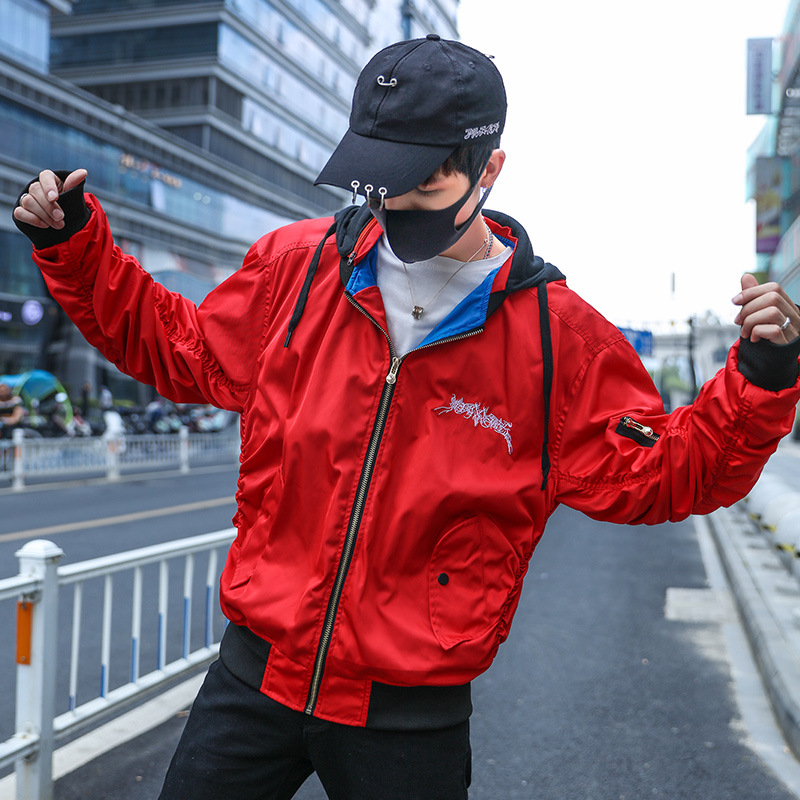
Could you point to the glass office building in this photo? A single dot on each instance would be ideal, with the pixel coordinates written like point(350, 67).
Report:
point(263, 84)
point(202, 126)
point(773, 178)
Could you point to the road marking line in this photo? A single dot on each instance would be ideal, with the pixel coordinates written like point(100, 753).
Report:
point(699, 605)
point(51, 530)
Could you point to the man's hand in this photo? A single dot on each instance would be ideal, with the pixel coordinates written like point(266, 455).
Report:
point(39, 206)
point(766, 312)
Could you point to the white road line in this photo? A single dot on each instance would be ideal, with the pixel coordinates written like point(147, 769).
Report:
point(52, 530)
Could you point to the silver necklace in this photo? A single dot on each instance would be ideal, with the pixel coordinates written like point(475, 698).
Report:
point(417, 310)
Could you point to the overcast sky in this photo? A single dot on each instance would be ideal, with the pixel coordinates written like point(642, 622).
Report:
point(626, 143)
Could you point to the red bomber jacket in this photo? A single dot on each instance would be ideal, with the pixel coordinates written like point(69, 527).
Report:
point(388, 503)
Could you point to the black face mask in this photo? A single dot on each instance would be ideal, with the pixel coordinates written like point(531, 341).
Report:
point(419, 235)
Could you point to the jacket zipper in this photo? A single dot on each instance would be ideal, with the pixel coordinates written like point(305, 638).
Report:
point(641, 433)
point(357, 511)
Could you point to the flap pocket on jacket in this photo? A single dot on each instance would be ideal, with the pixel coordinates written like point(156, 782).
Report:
point(473, 569)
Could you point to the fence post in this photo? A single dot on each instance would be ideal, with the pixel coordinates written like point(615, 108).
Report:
point(113, 447)
point(18, 438)
point(183, 451)
point(36, 667)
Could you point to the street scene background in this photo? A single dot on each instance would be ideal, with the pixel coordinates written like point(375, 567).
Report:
point(596, 694)
point(632, 161)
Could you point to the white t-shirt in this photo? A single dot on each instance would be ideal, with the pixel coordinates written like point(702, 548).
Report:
point(426, 279)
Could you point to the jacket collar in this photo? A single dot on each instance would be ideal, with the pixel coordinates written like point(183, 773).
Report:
point(357, 232)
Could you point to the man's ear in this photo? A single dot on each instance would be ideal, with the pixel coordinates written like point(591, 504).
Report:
point(493, 168)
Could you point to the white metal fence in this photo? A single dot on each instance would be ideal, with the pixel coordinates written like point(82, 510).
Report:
point(25, 458)
point(42, 589)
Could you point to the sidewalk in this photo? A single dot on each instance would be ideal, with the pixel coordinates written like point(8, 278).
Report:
point(767, 596)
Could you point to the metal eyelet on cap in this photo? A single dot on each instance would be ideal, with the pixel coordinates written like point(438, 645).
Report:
point(382, 192)
point(368, 187)
point(355, 185)
point(383, 82)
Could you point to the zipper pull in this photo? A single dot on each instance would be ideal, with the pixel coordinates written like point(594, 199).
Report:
point(645, 430)
point(392, 376)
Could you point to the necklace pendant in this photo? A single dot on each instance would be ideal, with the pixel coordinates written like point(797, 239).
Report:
point(417, 312)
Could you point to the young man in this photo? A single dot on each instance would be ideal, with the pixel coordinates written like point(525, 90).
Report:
point(418, 393)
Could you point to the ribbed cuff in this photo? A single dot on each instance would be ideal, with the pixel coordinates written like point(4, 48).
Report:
point(769, 366)
point(76, 215)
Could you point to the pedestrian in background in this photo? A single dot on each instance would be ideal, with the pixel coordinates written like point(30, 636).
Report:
point(419, 391)
point(12, 410)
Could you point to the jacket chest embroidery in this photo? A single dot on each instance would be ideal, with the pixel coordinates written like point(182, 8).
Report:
point(480, 416)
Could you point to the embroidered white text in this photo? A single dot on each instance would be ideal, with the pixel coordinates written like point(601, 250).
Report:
point(480, 416)
point(484, 130)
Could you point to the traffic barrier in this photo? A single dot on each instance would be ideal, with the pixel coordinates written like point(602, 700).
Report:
point(775, 508)
point(766, 489)
point(33, 458)
point(787, 540)
point(778, 507)
point(38, 587)
point(783, 537)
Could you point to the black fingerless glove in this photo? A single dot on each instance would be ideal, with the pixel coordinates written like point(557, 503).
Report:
point(767, 365)
point(76, 215)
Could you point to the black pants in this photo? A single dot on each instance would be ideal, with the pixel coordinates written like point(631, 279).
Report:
point(240, 744)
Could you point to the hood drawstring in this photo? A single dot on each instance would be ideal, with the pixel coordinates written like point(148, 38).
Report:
point(300, 306)
point(547, 375)
point(347, 225)
point(346, 237)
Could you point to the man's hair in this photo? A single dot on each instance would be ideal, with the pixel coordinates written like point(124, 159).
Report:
point(470, 159)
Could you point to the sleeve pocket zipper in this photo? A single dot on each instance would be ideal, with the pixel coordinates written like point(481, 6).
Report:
point(641, 434)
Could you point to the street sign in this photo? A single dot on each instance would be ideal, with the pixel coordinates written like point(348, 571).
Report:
point(642, 341)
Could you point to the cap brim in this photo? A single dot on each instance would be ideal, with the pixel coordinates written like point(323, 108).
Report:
point(397, 167)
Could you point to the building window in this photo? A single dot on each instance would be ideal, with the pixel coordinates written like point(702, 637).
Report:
point(25, 32)
point(20, 275)
point(122, 47)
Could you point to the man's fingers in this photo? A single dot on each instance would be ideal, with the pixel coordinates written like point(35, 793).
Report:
point(775, 320)
point(35, 208)
point(755, 300)
point(73, 179)
point(748, 281)
point(772, 333)
point(39, 205)
point(751, 289)
point(31, 219)
point(766, 312)
point(51, 185)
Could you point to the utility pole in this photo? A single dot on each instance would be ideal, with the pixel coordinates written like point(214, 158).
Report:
point(692, 372)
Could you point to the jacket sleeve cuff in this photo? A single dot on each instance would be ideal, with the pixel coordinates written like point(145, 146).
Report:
point(76, 215)
point(769, 366)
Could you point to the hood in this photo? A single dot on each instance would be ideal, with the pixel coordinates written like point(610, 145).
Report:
point(357, 231)
point(527, 269)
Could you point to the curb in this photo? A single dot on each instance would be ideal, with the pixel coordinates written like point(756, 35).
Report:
point(765, 599)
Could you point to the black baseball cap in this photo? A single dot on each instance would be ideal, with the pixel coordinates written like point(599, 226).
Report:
point(415, 102)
